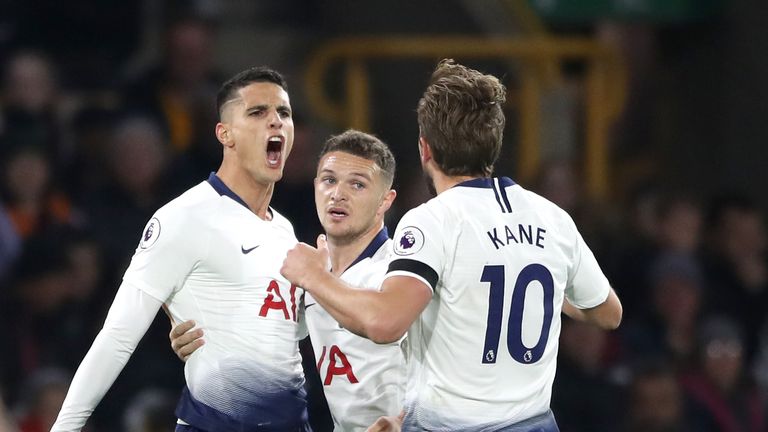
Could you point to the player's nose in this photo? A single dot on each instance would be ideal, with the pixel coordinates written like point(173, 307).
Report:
point(337, 193)
point(275, 122)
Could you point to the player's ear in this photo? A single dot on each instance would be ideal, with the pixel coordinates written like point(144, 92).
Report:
point(223, 135)
point(386, 202)
point(424, 151)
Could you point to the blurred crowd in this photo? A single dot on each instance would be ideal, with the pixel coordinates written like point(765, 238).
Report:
point(79, 179)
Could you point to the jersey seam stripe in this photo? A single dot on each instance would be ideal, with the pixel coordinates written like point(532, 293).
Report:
point(503, 192)
point(496, 192)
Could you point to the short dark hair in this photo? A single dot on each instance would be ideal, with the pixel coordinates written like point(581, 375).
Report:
point(228, 90)
point(460, 115)
point(363, 145)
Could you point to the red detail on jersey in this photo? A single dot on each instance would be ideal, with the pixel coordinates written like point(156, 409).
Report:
point(273, 290)
point(293, 302)
point(322, 357)
point(343, 368)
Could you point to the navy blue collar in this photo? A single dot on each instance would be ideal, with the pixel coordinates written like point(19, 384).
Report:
point(372, 247)
point(224, 190)
point(486, 182)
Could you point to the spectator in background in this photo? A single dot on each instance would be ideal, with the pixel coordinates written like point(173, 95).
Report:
point(737, 271)
point(664, 223)
point(43, 394)
point(721, 395)
point(10, 246)
point(669, 329)
point(655, 401)
point(151, 410)
point(6, 421)
point(138, 163)
point(30, 196)
point(30, 114)
point(179, 91)
point(582, 365)
point(38, 292)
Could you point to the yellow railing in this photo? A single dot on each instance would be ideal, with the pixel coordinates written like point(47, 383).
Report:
point(604, 86)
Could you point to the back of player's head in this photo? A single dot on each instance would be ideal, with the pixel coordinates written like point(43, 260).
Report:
point(460, 115)
point(366, 146)
point(229, 89)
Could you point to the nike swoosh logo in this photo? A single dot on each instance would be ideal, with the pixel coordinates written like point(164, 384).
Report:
point(247, 251)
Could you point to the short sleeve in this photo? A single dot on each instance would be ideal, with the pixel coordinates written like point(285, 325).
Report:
point(168, 250)
point(417, 247)
point(587, 285)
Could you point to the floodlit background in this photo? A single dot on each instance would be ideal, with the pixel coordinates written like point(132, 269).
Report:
point(647, 120)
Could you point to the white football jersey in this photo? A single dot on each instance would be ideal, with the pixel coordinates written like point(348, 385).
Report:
point(362, 380)
point(499, 259)
point(210, 259)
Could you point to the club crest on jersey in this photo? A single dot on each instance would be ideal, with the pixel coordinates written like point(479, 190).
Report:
point(410, 241)
point(151, 233)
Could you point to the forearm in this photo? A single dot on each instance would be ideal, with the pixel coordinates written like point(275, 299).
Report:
point(129, 317)
point(607, 315)
point(356, 310)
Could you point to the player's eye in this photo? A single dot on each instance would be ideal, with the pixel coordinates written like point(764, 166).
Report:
point(285, 113)
point(358, 185)
point(329, 180)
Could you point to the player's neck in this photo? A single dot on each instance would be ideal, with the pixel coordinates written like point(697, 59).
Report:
point(444, 182)
point(256, 195)
point(344, 252)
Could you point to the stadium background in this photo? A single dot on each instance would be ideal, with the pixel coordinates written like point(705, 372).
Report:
point(645, 119)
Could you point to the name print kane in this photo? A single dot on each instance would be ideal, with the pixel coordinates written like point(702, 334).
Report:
point(525, 235)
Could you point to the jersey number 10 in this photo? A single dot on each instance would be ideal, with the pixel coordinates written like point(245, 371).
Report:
point(494, 274)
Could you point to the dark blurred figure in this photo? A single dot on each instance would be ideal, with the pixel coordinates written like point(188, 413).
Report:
point(720, 393)
point(582, 365)
point(31, 314)
point(30, 196)
point(180, 90)
point(669, 330)
point(661, 222)
point(30, 115)
point(151, 410)
point(137, 160)
point(10, 246)
point(7, 422)
point(655, 400)
point(42, 396)
point(737, 270)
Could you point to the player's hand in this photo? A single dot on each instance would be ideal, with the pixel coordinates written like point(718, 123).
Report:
point(184, 340)
point(304, 263)
point(386, 424)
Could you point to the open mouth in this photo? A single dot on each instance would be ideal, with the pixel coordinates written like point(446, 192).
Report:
point(336, 212)
point(274, 150)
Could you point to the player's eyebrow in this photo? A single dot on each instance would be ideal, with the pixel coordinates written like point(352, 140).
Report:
point(362, 174)
point(262, 107)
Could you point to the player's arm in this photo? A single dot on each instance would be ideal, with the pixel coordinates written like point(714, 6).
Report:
point(129, 317)
point(382, 316)
point(589, 295)
point(606, 315)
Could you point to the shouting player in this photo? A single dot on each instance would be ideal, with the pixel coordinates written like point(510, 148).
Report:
point(479, 278)
point(212, 255)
